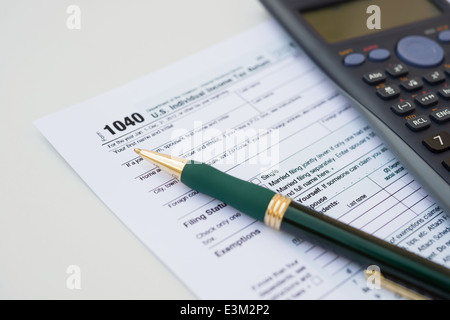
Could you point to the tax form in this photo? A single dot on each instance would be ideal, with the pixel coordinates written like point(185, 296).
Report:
point(256, 107)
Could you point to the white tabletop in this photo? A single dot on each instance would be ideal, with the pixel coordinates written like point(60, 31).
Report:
point(49, 219)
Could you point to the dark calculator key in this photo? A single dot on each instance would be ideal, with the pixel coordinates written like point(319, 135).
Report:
point(374, 77)
point(445, 93)
point(439, 142)
point(446, 163)
point(419, 123)
point(427, 100)
point(435, 77)
point(413, 84)
point(441, 115)
point(447, 71)
point(388, 92)
point(397, 70)
point(403, 108)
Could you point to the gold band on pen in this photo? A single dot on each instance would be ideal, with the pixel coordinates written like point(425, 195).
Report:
point(274, 216)
point(275, 211)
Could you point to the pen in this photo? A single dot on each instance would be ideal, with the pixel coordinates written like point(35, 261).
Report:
point(404, 269)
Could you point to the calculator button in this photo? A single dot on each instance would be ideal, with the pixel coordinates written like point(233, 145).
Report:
point(441, 115)
point(444, 36)
point(446, 163)
point(435, 77)
point(354, 59)
point(420, 51)
point(419, 123)
point(413, 84)
point(378, 55)
point(397, 70)
point(427, 100)
point(388, 92)
point(445, 93)
point(374, 77)
point(447, 71)
point(439, 142)
point(403, 108)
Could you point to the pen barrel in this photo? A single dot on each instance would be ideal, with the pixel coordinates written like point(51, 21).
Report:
point(244, 196)
point(400, 265)
point(428, 277)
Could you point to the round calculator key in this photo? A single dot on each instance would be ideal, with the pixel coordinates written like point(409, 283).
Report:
point(444, 36)
point(354, 59)
point(420, 51)
point(378, 55)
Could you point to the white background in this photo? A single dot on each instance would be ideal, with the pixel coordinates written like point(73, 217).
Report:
point(49, 218)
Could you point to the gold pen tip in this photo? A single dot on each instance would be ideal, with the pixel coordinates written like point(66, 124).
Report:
point(172, 165)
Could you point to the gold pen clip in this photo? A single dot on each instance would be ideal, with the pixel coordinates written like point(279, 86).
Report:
point(393, 286)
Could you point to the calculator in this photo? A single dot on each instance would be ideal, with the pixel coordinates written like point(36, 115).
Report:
point(391, 59)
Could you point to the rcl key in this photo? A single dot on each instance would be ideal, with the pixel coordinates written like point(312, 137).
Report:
point(419, 123)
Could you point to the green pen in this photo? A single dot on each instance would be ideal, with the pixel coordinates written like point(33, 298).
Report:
point(402, 271)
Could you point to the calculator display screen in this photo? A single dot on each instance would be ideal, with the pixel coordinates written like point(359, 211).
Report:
point(352, 19)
